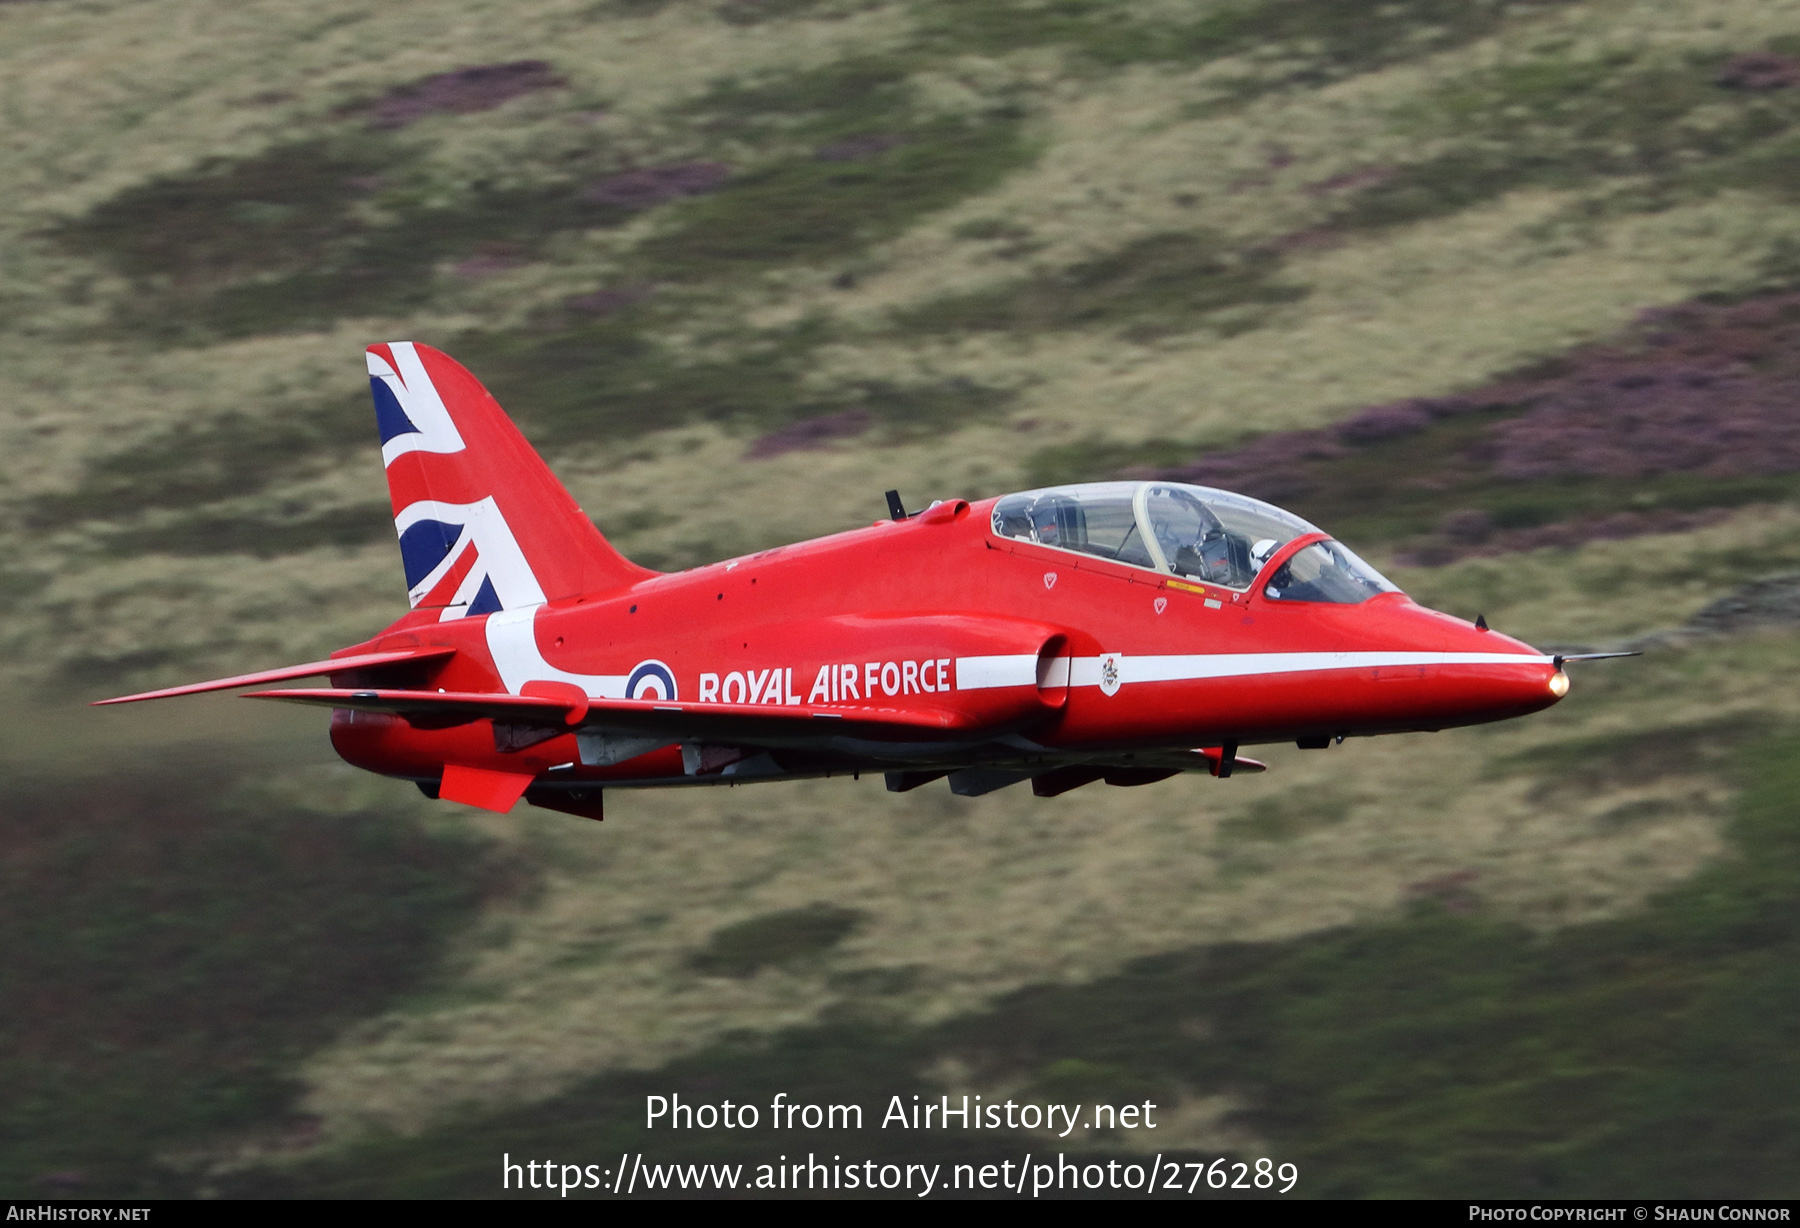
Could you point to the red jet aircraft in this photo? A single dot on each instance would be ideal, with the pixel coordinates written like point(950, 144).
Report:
point(1118, 631)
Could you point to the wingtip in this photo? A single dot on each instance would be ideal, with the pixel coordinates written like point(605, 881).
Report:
point(127, 699)
point(331, 665)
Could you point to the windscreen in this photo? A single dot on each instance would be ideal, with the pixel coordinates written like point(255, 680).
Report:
point(1327, 571)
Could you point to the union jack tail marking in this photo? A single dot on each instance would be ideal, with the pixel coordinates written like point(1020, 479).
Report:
point(483, 524)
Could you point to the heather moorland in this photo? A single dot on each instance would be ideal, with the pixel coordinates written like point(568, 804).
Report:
point(1504, 293)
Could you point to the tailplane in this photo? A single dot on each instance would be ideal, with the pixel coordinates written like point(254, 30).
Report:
point(483, 523)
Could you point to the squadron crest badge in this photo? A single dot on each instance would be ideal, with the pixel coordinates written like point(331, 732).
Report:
point(1111, 673)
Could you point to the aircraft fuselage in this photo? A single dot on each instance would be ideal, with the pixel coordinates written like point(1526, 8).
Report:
point(1050, 654)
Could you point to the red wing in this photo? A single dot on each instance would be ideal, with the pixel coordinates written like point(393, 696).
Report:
point(744, 722)
point(287, 673)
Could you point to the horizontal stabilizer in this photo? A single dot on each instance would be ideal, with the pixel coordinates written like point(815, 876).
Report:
point(367, 660)
point(759, 723)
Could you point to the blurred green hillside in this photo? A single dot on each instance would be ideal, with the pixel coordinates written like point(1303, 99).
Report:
point(1505, 294)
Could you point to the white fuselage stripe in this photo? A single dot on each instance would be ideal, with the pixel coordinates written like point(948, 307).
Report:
point(512, 642)
point(978, 673)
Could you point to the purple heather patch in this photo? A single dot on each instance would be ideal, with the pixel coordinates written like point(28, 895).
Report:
point(490, 258)
point(1448, 548)
point(1352, 181)
point(1266, 467)
point(1703, 389)
point(1760, 70)
point(652, 185)
point(605, 302)
point(811, 434)
point(462, 91)
point(855, 148)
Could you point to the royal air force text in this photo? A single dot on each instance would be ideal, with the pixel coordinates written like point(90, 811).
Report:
point(833, 684)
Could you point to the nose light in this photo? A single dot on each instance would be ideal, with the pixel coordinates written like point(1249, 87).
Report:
point(1559, 684)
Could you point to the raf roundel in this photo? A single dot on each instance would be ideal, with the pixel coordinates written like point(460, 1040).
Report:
point(651, 680)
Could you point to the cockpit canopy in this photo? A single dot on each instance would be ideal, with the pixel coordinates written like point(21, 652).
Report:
point(1194, 532)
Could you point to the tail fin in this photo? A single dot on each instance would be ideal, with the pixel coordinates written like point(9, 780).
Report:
point(483, 523)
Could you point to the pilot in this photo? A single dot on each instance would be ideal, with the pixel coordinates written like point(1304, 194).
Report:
point(1201, 549)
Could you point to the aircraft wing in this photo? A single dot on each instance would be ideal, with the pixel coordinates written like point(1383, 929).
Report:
point(336, 665)
point(565, 705)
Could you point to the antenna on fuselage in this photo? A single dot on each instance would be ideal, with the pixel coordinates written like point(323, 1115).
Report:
point(896, 509)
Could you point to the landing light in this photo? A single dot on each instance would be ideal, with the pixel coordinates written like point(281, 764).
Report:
point(1559, 684)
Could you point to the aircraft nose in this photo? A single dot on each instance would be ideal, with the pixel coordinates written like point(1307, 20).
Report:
point(1521, 671)
point(1483, 674)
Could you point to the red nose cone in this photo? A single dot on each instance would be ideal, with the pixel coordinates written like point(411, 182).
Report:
point(1479, 675)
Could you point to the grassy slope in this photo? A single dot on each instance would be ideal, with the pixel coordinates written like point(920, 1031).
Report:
point(1098, 227)
point(1441, 1051)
